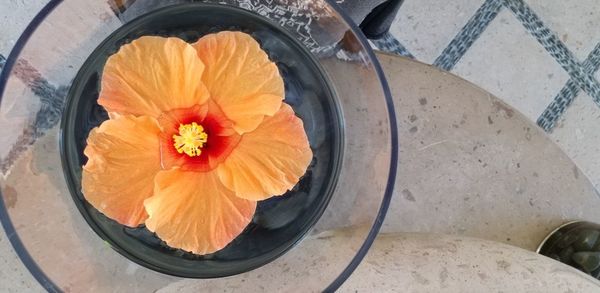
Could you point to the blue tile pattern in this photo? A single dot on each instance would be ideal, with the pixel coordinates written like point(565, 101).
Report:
point(468, 34)
point(567, 94)
point(388, 43)
point(555, 47)
point(581, 74)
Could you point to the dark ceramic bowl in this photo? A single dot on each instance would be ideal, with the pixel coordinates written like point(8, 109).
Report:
point(279, 222)
point(576, 244)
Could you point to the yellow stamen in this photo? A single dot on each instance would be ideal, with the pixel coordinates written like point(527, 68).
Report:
point(190, 140)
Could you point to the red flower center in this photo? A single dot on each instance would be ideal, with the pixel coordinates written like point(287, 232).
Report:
point(222, 139)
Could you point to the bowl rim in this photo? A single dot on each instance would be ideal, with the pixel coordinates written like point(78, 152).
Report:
point(391, 180)
point(48, 284)
point(567, 224)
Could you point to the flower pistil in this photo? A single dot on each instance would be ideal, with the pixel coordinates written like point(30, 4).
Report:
point(190, 140)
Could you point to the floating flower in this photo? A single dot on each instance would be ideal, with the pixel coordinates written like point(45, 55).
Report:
point(197, 135)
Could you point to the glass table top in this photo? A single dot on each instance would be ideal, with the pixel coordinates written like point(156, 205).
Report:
point(350, 115)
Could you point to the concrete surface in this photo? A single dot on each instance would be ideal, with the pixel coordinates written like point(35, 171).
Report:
point(472, 165)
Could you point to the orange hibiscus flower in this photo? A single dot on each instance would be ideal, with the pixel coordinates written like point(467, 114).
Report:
point(197, 135)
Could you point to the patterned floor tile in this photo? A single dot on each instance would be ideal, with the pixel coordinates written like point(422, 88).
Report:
point(425, 27)
point(575, 21)
point(509, 63)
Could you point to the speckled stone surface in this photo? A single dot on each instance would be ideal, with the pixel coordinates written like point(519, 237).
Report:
point(412, 262)
point(472, 165)
point(415, 262)
point(578, 135)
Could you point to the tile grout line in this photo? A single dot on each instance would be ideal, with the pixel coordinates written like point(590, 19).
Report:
point(568, 93)
point(469, 33)
point(554, 46)
point(580, 76)
point(388, 43)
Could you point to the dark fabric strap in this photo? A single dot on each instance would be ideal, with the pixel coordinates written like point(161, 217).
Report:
point(374, 16)
point(359, 9)
point(377, 23)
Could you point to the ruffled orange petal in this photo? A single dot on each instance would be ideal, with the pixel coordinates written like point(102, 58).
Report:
point(195, 212)
point(152, 75)
point(123, 158)
point(240, 78)
point(269, 160)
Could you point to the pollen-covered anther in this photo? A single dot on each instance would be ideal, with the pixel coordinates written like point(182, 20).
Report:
point(190, 140)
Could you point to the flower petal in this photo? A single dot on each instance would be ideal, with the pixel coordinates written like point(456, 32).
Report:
point(269, 160)
point(123, 158)
point(195, 212)
point(152, 75)
point(240, 78)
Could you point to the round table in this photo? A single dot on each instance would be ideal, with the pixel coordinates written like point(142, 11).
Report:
point(470, 166)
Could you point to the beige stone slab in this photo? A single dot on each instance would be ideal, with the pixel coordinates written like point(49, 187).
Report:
point(472, 165)
point(414, 262)
point(577, 133)
point(417, 262)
